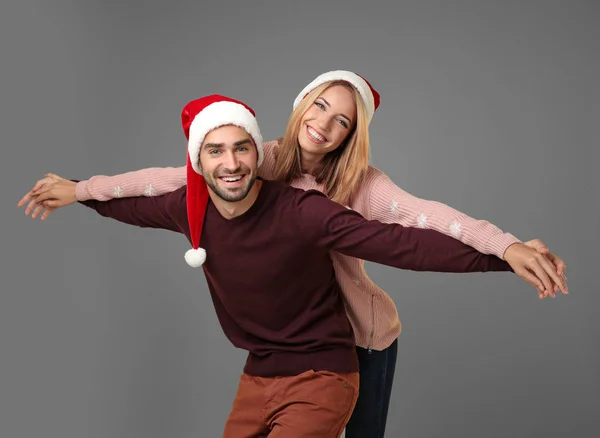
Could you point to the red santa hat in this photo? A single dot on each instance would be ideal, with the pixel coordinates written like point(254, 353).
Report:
point(198, 118)
point(369, 95)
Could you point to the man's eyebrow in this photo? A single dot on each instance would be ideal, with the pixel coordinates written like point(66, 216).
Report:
point(222, 145)
point(241, 142)
point(341, 114)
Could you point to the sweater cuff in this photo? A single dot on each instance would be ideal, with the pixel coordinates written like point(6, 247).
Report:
point(498, 244)
point(81, 191)
point(497, 264)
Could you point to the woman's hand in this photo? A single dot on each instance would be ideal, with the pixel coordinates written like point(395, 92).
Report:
point(48, 194)
point(534, 263)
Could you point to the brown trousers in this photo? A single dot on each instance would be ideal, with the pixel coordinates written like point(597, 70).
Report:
point(314, 404)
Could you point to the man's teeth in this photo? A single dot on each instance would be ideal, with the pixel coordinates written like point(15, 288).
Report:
point(231, 178)
point(314, 134)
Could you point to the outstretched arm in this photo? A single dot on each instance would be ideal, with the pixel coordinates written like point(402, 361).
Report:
point(382, 200)
point(327, 224)
point(165, 212)
point(154, 181)
point(145, 182)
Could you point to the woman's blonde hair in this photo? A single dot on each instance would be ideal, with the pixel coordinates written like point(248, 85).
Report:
point(341, 170)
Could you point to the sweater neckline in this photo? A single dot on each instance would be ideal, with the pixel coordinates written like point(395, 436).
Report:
point(258, 203)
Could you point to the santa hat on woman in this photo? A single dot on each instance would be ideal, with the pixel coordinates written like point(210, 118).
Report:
point(369, 95)
point(198, 118)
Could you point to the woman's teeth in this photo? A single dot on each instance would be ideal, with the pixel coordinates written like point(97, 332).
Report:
point(315, 135)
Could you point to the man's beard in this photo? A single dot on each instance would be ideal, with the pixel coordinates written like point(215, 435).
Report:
point(231, 195)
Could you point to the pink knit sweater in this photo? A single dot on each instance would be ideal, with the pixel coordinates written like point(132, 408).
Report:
point(371, 311)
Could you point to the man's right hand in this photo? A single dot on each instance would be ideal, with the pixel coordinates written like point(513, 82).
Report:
point(48, 194)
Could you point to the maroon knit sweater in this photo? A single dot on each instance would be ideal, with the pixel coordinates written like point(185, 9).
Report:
point(271, 277)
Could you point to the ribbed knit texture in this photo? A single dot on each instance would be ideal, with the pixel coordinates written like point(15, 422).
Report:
point(371, 311)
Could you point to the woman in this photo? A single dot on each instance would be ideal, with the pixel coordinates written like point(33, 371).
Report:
point(326, 147)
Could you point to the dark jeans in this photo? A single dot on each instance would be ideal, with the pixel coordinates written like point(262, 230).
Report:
point(376, 378)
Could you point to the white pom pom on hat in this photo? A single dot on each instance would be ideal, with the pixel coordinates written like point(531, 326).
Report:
point(195, 257)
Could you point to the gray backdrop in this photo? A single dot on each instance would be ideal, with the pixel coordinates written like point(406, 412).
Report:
point(490, 107)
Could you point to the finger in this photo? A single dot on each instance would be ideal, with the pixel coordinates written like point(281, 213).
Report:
point(52, 204)
point(31, 206)
point(47, 213)
point(40, 186)
point(539, 246)
point(41, 183)
point(536, 244)
point(547, 285)
point(32, 193)
point(559, 263)
point(54, 177)
point(533, 280)
point(40, 208)
point(45, 196)
point(25, 199)
point(44, 189)
point(40, 202)
point(542, 275)
point(551, 271)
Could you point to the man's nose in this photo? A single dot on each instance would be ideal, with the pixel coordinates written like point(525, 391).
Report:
point(231, 161)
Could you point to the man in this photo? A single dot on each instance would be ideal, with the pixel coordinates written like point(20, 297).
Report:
point(265, 255)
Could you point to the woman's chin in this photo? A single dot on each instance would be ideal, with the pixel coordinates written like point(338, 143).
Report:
point(314, 150)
